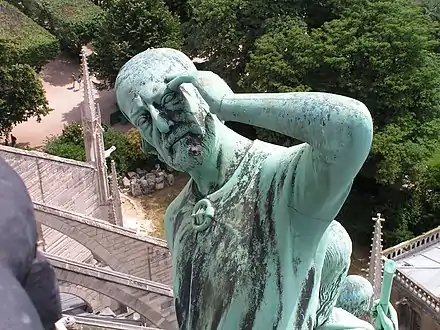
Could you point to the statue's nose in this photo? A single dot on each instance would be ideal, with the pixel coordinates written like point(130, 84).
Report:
point(163, 125)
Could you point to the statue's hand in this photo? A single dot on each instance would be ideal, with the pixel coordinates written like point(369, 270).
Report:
point(383, 321)
point(210, 86)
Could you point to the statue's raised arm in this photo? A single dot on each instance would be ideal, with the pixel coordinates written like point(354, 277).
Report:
point(338, 131)
point(252, 234)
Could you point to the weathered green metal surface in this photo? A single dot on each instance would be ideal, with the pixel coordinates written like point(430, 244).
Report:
point(252, 234)
point(383, 311)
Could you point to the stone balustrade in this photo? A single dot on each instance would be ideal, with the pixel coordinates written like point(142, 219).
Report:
point(411, 246)
point(419, 291)
point(417, 243)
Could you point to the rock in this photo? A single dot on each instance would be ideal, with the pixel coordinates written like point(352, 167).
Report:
point(160, 185)
point(147, 187)
point(140, 172)
point(170, 179)
point(143, 183)
point(160, 178)
point(136, 189)
point(126, 183)
point(150, 177)
point(132, 175)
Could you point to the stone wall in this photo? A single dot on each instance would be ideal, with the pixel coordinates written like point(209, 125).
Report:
point(55, 181)
point(120, 248)
point(412, 310)
point(152, 300)
point(62, 183)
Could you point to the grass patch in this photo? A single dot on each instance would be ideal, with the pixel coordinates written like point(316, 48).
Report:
point(72, 11)
point(155, 205)
point(35, 45)
point(73, 22)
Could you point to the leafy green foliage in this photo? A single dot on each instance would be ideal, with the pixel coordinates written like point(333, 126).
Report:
point(379, 52)
point(70, 144)
point(224, 31)
point(130, 27)
point(27, 42)
point(102, 3)
point(430, 7)
point(74, 23)
point(21, 92)
point(179, 8)
point(57, 147)
point(123, 155)
point(127, 156)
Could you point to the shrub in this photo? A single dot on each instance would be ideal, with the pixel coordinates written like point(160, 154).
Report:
point(73, 22)
point(29, 43)
point(70, 144)
point(127, 156)
point(57, 147)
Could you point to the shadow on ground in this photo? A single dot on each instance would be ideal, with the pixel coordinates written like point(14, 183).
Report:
point(59, 72)
point(107, 105)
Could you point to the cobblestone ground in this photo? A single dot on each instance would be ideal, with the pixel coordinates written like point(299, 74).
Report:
point(64, 99)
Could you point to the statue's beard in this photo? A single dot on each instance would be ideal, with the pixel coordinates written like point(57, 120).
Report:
point(191, 149)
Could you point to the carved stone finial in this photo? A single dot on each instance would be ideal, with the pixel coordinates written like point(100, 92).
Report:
point(375, 264)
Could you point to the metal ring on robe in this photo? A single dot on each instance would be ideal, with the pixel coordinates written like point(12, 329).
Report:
point(202, 215)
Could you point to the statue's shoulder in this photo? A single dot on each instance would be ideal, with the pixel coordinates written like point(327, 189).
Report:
point(268, 147)
point(278, 158)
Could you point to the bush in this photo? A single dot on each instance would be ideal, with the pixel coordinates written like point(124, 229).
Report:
point(29, 42)
point(127, 156)
point(70, 144)
point(57, 147)
point(75, 23)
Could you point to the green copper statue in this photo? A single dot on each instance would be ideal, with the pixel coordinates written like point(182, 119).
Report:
point(252, 234)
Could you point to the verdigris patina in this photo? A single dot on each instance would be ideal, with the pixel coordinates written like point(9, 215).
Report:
point(252, 234)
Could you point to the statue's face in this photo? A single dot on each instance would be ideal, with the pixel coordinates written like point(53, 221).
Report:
point(186, 135)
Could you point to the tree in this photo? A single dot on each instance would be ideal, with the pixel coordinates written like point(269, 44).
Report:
point(102, 3)
point(21, 92)
point(130, 27)
point(379, 52)
point(224, 31)
point(179, 8)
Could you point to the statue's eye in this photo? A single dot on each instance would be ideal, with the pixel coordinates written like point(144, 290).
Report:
point(142, 120)
point(168, 98)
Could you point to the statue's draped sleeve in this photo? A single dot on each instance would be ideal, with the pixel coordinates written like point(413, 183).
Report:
point(337, 132)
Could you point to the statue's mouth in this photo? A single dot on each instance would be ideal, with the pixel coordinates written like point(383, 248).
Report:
point(193, 143)
point(176, 138)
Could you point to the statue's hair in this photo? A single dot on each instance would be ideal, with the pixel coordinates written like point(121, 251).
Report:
point(355, 296)
point(145, 74)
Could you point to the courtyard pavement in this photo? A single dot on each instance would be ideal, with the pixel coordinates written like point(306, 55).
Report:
point(64, 99)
